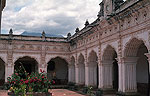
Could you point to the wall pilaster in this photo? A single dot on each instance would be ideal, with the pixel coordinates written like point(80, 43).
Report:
point(43, 64)
point(9, 65)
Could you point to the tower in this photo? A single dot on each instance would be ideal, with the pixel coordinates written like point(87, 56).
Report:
point(108, 7)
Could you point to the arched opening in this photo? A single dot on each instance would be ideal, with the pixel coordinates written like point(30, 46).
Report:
point(30, 64)
point(93, 66)
point(109, 59)
point(81, 70)
point(142, 70)
point(136, 48)
point(115, 75)
point(57, 70)
point(72, 71)
point(2, 72)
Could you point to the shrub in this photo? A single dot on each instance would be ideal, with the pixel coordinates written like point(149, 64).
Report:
point(21, 81)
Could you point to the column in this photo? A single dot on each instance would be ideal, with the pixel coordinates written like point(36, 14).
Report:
point(91, 74)
point(71, 73)
point(106, 75)
point(77, 74)
point(120, 69)
point(129, 74)
point(87, 75)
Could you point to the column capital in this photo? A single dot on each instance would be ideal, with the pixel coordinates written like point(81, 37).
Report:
point(91, 63)
point(129, 59)
point(106, 62)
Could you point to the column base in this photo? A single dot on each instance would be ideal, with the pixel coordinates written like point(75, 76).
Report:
point(127, 94)
point(108, 91)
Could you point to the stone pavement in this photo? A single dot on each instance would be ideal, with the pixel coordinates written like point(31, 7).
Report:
point(55, 92)
point(64, 92)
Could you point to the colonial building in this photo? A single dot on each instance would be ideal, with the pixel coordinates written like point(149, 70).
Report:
point(112, 53)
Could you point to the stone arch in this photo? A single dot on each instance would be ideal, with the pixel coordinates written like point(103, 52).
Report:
point(110, 68)
point(81, 59)
point(2, 71)
point(131, 47)
point(57, 69)
point(109, 53)
point(92, 56)
point(29, 63)
point(63, 57)
point(72, 60)
point(33, 57)
point(134, 54)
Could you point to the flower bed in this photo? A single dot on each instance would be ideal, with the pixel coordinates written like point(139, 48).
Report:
point(21, 83)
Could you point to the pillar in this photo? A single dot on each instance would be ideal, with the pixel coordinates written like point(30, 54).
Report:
point(120, 70)
point(71, 69)
point(106, 75)
point(76, 74)
point(9, 70)
point(91, 74)
point(129, 74)
point(80, 74)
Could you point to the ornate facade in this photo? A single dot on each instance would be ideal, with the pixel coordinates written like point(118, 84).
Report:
point(112, 53)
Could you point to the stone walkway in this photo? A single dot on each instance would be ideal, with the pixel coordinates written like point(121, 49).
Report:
point(55, 92)
point(64, 92)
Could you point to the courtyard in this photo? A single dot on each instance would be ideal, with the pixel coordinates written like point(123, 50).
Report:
point(55, 92)
point(111, 53)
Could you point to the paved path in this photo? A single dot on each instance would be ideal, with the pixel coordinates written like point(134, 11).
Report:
point(55, 92)
point(64, 92)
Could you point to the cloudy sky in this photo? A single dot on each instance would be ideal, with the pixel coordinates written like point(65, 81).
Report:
point(52, 16)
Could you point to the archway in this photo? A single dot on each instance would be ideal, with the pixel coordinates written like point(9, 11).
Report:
point(93, 69)
point(81, 70)
point(111, 68)
point(137, 49)
point(58, 70)
point(2, 72)
point(30, 64)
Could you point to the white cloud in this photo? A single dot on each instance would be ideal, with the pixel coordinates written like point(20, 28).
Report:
point(58, 17)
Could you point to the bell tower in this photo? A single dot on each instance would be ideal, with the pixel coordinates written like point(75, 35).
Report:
point(108, 7)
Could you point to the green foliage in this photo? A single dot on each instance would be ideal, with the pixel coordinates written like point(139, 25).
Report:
point(22, 82)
